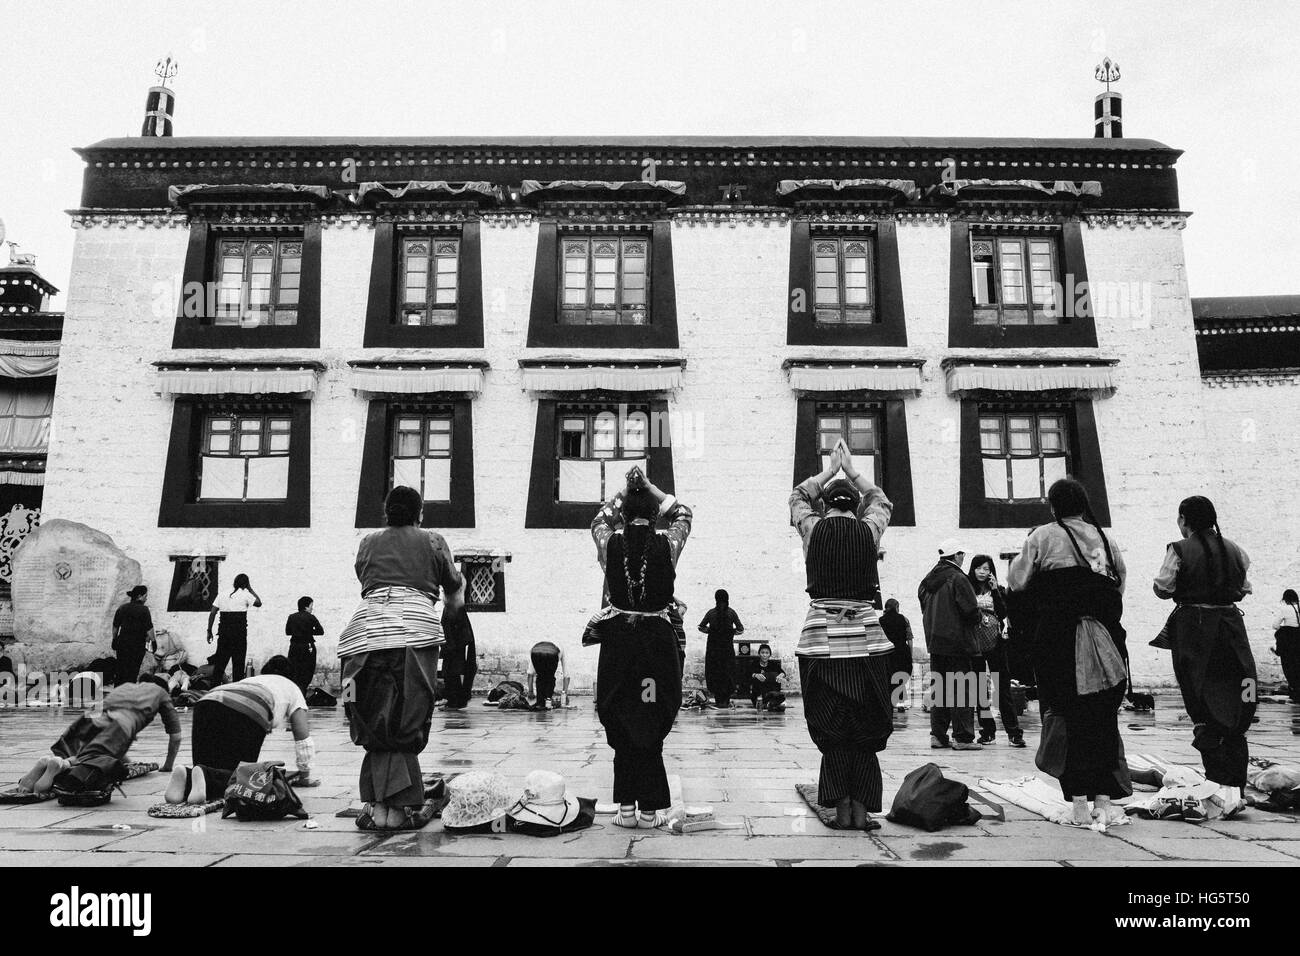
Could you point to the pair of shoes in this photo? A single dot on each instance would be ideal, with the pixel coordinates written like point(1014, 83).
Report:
point(988, 739)
point(939, 743)
point(1018, 741)
point(966, 745)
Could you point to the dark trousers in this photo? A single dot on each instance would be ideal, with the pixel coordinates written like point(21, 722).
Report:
point(220, 740)
point(995, 662)
point(545, 663)
point(1288, 651)
point(129, 661)
point(948, 674)
point(302, 663)
point(232, 649)
point(639, 775)
point(389, 715)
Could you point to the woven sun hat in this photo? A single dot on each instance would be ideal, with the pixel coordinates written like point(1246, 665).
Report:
point(475, 798)
point(545, 801)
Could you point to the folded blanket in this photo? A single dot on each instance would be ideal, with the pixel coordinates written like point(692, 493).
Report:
point(1039, 797)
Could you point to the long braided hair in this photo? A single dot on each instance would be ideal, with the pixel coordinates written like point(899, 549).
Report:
point(1069, 499)
point(1201, 518)
point(638, 503)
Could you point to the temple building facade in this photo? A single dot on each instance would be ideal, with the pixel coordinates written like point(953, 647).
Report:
point(263, 335)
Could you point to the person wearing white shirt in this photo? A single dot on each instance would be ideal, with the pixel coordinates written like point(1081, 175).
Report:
point(1286, 636)
point(232, 631)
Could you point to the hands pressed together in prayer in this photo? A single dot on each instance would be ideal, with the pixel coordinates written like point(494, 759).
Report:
point(841, 459)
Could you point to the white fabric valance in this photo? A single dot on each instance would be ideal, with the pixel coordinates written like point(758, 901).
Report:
point(1059, 187)
point(28, 366)
point(236, 381)
point(614, 378)
point(855, 378)
point(380, 191)
point(1029, 378)
point(30, 478)
point(24, 347)
point(417, 381)
point(233, 192)
point(904, 187)
point(530, 186)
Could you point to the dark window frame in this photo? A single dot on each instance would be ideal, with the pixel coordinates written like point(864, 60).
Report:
point(180, 575)
point(195, 326)
point(1037, 414)
point(468, 565)
point(567, 312)
point(545, 328)
point(544, 511)
point(842, 306)
point(1077, 328)
point(376, 461)
point(277, 274)
point(383, 328)
point(236, 432)
point(1031, 309)
point(895, 458)
point(429, 307)
point(889, 327)
point(180, 507)
point(1084, 452)
point(426, 417)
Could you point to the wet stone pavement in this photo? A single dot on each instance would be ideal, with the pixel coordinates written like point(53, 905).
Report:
point(745, 765)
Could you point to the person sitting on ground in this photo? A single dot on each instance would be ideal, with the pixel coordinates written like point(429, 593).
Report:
point(230, 724)
point(91, 753)
point(545, 666)
point(765, 681)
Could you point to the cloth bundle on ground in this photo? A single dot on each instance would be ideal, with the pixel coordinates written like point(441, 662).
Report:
point(931, 802)
point(316, 697)
point(1039, 797)
point(1272, 786)
point(1184, 792)
point(261, 791)
point(509, 695)
point(696, 699)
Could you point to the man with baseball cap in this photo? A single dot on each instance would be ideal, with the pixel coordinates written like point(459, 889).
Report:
point(950, 612)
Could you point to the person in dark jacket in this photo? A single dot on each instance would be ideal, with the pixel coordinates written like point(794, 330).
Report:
point(302, 629)
point(949, 613)
point(899, 631)
point(132, 633)
point(721, 624)
point(460, 663)
point(1205, 575)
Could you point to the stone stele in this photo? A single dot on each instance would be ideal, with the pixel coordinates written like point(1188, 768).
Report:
point(68, 581)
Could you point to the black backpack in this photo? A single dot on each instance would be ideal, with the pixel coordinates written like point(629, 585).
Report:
point(86, 785)
point(931, 802)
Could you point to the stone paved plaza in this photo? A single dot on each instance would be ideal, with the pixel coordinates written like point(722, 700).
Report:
point(744, 764)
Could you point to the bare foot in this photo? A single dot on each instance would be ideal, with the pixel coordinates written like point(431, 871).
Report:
point(844, 818)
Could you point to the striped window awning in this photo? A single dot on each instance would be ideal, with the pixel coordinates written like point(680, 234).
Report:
point(530, 187)
point(29, 478)
point(426, 189)
point(624, 376)
point(410, 378)
point(284, 378)
point(235, 192)
point(28, 359)
point(1096, 375)
point(1058, 189)
point(904, 188)
point(898, 377)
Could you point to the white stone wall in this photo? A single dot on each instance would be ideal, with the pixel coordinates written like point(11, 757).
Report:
point(734, 426)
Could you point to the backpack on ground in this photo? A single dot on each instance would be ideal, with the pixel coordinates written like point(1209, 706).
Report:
point(931, 802)
point(261, 791)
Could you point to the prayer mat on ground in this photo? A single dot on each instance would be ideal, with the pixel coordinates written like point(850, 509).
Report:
point(435, 791)
point(12, 794)
point(825, 814)
point(167, 810)
point(1044, 799)
point(134, 770)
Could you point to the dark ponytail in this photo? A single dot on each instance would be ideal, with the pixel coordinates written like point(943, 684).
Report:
point(1202, 518)
point(721, 599)
point(636, 553)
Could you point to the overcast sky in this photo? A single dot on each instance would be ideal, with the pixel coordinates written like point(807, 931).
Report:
point(1218, 80)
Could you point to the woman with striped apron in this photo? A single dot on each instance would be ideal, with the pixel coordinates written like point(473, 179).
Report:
point(389, 654)
point(639, 676)
point(843, 652)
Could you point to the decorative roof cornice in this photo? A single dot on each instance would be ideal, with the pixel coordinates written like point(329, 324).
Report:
point(1236, 378)
point(1133, 218)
